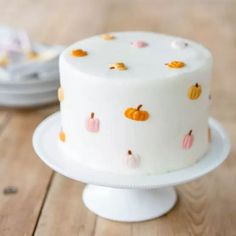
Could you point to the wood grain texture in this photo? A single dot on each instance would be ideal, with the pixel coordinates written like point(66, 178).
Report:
point(47, 205)
point(64, 204)
point(19, 167)
point(4, 119)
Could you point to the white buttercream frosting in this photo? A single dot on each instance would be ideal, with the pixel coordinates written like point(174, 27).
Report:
point(90, 86)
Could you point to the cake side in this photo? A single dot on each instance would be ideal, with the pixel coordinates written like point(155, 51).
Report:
point(125, 121)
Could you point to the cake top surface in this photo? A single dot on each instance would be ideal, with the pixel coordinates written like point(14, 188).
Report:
point(136, 55)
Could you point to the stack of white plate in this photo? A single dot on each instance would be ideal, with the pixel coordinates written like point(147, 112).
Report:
point(31, 84)
point(29, 93)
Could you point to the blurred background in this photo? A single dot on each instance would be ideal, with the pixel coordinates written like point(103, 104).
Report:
point(45, 203)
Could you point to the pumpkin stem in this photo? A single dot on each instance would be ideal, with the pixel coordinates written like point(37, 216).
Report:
point(92, 115)
point(129, 152)
point(196, 85)
point(190, 132)
point(139, 107)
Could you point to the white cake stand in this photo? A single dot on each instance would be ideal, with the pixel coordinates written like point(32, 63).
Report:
point(126, 197)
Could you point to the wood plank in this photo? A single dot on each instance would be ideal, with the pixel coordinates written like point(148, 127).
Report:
point(64, 212)
point(77, 219)
point(5, 116)
point(20, 167)
point(107, 227)
point(205, 206)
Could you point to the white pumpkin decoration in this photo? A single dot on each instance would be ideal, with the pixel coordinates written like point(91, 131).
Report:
point(179, 44)
point(131, 160)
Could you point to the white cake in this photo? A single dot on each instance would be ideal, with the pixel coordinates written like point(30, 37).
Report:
point(135, 102)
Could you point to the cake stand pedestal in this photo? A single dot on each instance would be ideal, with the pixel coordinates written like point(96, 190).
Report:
point(130, 205)
point(126, 197)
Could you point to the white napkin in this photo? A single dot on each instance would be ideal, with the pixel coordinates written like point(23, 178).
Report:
point(21, 59)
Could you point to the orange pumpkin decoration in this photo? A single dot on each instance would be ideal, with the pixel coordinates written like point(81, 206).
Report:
point(194, 91)
point(175, 64)
point(107, 37)
point(60, 94)
point(62, 136)
point(209, 135)
point(79, 53)
point(118, 66)
point(136, 114)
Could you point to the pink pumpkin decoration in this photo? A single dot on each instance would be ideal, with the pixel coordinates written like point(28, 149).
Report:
point(131, 160)
point(139, 44)
point(92, 123)
point(188, 140)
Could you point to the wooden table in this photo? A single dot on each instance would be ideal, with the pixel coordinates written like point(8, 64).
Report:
point(50, 204)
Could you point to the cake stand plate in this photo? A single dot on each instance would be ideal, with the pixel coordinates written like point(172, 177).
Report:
point(127, 198)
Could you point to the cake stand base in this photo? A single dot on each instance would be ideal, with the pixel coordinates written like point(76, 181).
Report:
point(129, 205)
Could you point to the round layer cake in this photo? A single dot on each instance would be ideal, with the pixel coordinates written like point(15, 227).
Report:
point(135, 102)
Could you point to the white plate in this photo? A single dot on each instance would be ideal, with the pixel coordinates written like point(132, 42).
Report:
point(52, 83)
point(47, 77)
point(45, 142)
point(18, 74)
point(28, 100)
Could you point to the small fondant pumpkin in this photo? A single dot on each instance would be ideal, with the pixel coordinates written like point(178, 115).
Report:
point(194, 91)
point(179, 44)
point(175, 64)
point(107, 37)
point(188, 140)
point(118, 66)
point(209, 135)
point(92, 123)
point(131, 160)
point(136, 114)
point(62, 136)
point(139, 44)
point(79, 53)
point(60, 94)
